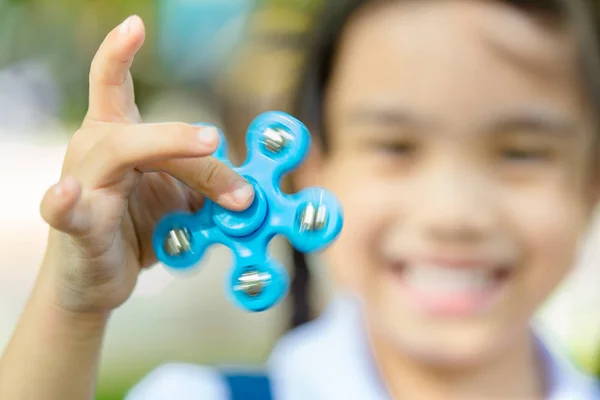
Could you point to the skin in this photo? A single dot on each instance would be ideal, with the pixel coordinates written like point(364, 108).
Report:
point(423, 159)
point(119, 178)
point(458, 133)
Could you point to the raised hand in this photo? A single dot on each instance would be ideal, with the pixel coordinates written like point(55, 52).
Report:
point(120, 176)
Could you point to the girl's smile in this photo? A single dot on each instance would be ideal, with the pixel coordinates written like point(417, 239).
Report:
point(451, 287)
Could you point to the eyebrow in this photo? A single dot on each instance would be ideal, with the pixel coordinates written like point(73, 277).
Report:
point(388, 116)
point(533, 120)
point(542, 120)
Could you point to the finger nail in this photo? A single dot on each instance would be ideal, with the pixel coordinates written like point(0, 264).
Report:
point(208, 136)
point(65, 185)
point(242, 192)
point(125, 26)
point(59, 189)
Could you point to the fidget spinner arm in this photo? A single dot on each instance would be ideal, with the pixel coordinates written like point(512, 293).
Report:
point(311, 219)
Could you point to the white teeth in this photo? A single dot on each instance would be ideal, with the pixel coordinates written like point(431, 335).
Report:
point(435, 278)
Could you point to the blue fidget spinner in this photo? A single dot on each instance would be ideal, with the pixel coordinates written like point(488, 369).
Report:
point(311, 219)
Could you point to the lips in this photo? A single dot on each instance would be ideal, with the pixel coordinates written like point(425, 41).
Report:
point(452, 287)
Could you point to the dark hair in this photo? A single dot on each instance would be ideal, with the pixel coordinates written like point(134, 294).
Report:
point(580, 15)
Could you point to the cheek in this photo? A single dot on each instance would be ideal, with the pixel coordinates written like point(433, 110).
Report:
point(353, 256)
point(550, 225)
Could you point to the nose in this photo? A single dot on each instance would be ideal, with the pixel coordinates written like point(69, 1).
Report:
point(454, 205)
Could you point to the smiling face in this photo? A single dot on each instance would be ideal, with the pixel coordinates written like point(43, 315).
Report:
point(460, 149)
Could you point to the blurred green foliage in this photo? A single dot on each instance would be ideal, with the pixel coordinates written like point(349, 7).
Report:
point(65, 34)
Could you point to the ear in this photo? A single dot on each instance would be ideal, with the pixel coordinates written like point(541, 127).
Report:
point(309, 173)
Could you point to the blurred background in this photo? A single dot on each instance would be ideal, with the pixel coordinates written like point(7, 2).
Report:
point(216, 61)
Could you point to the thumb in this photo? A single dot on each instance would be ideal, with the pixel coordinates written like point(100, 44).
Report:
point(62, 208)
point(111, 97)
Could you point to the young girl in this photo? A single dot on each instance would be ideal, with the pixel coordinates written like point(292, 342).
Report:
point(462, 140)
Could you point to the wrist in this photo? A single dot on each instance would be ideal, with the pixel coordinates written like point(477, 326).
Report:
point(78, 327)
point(52, 343)
point(59, 303)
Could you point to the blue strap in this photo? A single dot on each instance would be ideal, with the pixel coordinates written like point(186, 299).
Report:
point(248, 386)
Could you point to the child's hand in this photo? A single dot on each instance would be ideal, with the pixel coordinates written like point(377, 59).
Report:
point(119, 178)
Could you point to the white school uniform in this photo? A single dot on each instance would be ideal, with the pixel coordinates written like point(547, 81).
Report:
point(329, 359)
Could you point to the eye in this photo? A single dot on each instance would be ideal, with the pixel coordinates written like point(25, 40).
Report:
point(523, 154)
point(396, 148)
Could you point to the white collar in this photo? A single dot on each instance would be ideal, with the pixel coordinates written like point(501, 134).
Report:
point(329, 359)
point(326, 359)
point(566, 381)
